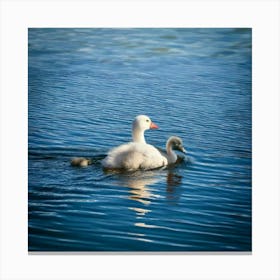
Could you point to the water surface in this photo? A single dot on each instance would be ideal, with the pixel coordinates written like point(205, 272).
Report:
point(86, 86)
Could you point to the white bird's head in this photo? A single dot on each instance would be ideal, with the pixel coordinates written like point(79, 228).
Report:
point(143, 123)
point(139, 125)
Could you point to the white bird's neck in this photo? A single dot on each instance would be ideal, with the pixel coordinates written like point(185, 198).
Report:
point(172, 157)
point(138, 135)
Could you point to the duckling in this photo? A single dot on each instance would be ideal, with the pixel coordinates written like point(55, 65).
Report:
point(80, 161)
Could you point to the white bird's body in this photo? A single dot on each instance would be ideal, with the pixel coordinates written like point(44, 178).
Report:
point(133, 156)
point(137, 154)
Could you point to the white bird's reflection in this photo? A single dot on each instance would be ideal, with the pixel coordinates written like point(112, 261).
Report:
point(140, 187)
point(138, 184)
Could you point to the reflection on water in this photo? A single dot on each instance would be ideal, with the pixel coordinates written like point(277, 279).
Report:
point(144, 225)
point(139, 211)
point(141, 184)
point(139, 188)
point(173, 181)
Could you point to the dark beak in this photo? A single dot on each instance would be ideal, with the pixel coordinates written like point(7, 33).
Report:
point(181, 148)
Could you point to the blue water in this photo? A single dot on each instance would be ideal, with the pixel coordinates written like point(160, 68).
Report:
point(85, 86)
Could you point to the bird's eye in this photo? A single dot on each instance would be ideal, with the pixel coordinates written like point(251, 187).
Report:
point(147, 120)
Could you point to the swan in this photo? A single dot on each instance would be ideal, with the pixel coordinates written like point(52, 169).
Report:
point(134, 156)
point(173, 143)
point(140, 124)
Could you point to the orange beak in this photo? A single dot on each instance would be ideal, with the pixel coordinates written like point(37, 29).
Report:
point(153, 126)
